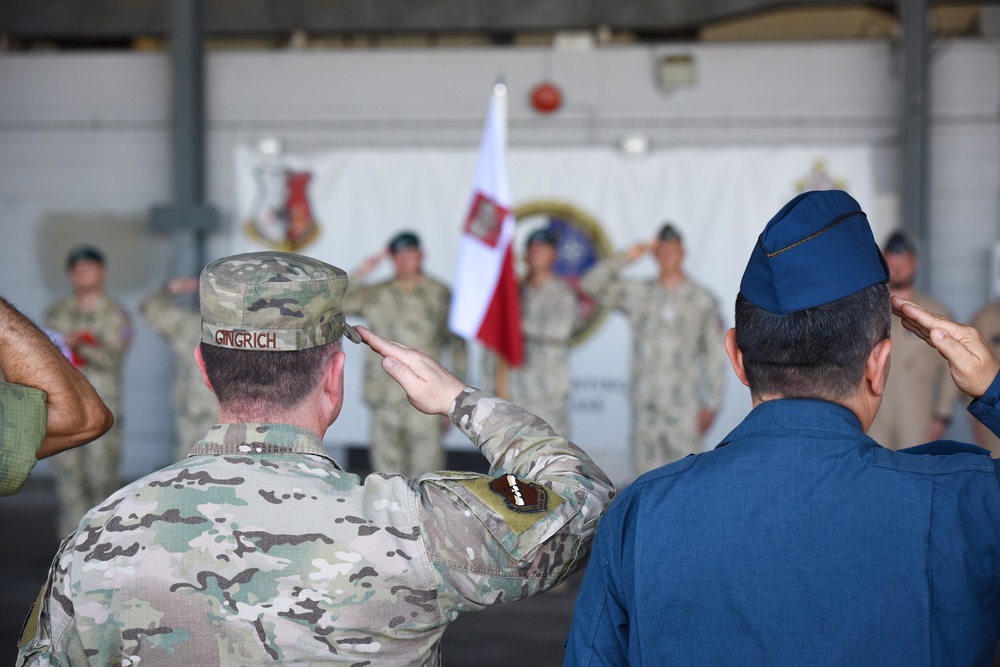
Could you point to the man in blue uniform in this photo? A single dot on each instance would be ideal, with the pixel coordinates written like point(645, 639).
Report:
point(799, 539)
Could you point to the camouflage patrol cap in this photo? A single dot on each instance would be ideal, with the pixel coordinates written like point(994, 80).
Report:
point(272, 301)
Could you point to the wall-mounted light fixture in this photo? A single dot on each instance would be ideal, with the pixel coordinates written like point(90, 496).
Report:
point(270, 146)
point(675, 70)
point(634, 144)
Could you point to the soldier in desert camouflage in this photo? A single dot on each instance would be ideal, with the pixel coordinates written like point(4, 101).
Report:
point(411, 308)
point(919, 398)
point(548, 319)
point(678, 360)
point(258, 548)
point(194, 403)
point(98, 331)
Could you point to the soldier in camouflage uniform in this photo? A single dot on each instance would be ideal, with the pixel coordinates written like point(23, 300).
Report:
point(194, 403)
point(919, 398)
point(678, 360)
point(548, 319)
point(258, 548)
point(46, 406)
point(98, 331)
point(411, 308)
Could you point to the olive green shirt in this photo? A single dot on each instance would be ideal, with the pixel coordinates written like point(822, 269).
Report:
point(22, 428)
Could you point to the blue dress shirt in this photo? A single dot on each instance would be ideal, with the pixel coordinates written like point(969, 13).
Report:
point(800, 540)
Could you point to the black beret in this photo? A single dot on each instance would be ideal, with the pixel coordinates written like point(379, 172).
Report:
point(83, 253)
point(899, 242)
point(668, 233)
point(402, 241)
point(543, 235)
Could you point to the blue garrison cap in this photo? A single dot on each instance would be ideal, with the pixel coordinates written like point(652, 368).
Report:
point(819, 248)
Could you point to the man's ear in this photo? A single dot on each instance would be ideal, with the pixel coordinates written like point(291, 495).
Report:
point(877, 366)
point(333, 382)
point(735, 356)
point(201, 368)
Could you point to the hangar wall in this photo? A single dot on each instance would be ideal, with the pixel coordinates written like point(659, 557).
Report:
point(84, 149)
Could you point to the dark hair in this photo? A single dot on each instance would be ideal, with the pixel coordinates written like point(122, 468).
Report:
point(255, 381)
point(815, 353)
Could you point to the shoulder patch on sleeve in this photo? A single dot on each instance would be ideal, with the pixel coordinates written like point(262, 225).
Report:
point(518, 503)
point(32, 625)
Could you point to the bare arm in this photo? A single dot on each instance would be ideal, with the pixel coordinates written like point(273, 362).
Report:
point(76, 414)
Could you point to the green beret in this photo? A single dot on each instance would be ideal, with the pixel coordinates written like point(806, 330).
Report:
point(402, 241)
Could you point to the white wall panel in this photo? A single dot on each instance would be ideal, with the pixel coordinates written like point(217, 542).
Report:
point(87, 134)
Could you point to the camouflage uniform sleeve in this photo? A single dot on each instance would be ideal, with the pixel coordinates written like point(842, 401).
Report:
point(711, 342)
point(49, 636)
point(161, 314)
point(22, 428)
point(354, 298)
point(603, 284)
point(522, 528)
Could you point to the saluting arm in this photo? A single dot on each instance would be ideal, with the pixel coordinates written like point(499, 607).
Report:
point(75, 413)
point(531, 521)
point(974, 367)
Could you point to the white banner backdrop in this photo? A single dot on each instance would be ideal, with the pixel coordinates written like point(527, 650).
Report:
point(347, 204)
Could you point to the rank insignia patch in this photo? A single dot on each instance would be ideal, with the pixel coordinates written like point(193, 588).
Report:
point(520, 496)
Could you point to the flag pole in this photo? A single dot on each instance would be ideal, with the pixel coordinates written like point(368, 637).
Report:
point(485, 304)
point(500, 90)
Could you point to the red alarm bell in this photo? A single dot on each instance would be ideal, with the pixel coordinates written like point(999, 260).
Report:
point(546, 97)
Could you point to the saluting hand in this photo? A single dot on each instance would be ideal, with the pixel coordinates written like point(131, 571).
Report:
point(371, 263)
point(973, 364)
point(638, 250)
point(428, 386)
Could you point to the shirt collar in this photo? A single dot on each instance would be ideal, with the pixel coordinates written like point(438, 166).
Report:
point(259, 438)
point(799, 414)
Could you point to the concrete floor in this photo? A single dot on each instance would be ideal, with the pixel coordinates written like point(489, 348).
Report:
point(527, 633)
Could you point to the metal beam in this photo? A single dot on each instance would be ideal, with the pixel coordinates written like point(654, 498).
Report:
point(116, 19)
point(914, 117)
point(187, 218)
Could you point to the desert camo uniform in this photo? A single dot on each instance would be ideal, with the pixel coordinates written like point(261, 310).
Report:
point(919, 388)
point(86, 475)
point(403, 439)
point(334, 570)
point(541, 384)
point(678, 359)
point(194, 403)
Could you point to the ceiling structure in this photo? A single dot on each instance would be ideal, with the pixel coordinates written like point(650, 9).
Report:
point(119, 23)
